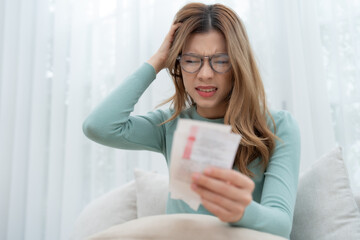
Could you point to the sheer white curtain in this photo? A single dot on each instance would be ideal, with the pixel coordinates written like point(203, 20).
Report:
point(59, 59)
point(287, 42)
point(339, 24)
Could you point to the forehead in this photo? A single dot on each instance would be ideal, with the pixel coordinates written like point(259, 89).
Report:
point(207, 43)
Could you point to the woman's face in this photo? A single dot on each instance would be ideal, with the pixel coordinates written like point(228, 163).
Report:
point(206, 87)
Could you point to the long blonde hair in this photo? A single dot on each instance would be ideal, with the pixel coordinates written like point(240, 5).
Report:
point(247, 111)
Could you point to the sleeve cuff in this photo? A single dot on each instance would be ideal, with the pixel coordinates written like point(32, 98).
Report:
point(150, 68)
point(250, 217)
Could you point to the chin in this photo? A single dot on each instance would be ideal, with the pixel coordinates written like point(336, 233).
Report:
point(205, 104)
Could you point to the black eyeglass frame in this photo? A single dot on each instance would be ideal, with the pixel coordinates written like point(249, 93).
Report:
point(202, 61)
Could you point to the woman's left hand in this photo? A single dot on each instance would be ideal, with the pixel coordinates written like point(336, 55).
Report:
point(224, 192)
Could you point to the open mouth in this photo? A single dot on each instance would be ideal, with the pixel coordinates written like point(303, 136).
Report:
point(206, 91)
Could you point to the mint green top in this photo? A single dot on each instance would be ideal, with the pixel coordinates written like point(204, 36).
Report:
point(274, 196)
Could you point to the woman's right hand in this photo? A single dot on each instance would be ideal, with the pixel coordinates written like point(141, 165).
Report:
point(159, 58)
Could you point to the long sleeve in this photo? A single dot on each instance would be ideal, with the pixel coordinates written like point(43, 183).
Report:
point(274, 213)
point(110, 122)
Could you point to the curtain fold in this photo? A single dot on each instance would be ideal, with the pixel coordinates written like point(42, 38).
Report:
point(287, 44)
point(57, 74)
point(80, 55)
point(9, 59)
point(339, 24)
point(39, 125)
point(60, 58)
point(19, 170)
point(323, 134)
point(309, 107)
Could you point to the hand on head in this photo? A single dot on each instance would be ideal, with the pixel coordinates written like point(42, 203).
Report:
point(159, 58)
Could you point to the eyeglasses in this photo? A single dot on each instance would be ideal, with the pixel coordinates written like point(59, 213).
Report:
point(192, 63)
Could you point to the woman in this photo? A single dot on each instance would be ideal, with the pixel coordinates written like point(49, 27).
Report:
point(208, 55)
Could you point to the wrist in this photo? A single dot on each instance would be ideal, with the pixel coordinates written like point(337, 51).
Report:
point(157, 63)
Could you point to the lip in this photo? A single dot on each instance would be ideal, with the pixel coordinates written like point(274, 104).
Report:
point(205, 87)
point(206, 94)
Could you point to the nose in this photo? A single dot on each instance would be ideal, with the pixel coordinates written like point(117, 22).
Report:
point(206, 71)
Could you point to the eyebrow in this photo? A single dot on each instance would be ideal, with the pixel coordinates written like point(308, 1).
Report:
point(196, 54)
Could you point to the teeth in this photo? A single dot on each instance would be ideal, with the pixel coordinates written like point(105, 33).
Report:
point(207, 90)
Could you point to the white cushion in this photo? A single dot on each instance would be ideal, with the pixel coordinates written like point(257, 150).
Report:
point(325, 206)
point(181, 226)
point(151, 193)
point(115, 207)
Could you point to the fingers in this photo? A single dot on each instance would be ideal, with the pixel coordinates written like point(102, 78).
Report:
point(165, 46)
point(171, 33)
point(220, 187)
point(224, 192)
point(159, 58)
point(224, 202)
point(174, 27)
point(225, 209)
point(223, 214)
point(235, 178)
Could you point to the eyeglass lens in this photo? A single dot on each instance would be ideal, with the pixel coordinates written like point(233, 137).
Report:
point(191, 63)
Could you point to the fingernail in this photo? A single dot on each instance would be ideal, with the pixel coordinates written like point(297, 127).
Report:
point(208, 171)
point(196, 176)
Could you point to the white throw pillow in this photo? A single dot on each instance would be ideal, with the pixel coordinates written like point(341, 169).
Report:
point(325, 206)
point(115, 207)
point(151, 193)
point(180, 227)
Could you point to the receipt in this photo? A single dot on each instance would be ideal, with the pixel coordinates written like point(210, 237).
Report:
point(196, 146)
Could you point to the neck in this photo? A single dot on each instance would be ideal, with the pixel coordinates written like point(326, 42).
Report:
point(210, 113)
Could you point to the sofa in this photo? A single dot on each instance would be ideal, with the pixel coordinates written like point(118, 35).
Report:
point(326, 208)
